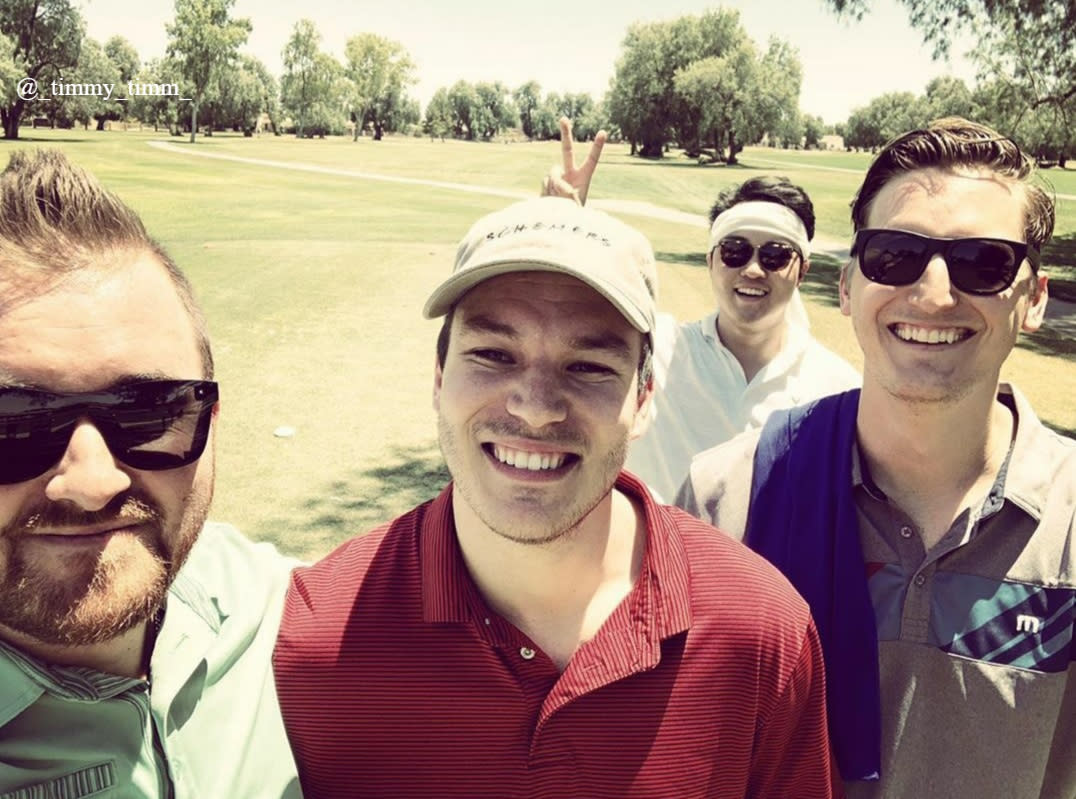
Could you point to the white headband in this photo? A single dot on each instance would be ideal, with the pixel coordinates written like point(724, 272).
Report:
point(759, 216)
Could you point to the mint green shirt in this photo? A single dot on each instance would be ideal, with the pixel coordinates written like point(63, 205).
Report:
point(206, 725)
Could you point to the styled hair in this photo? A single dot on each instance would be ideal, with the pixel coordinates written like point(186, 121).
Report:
point(954, 143)
point(770, 189)
point(646, 355)
point(57, 220)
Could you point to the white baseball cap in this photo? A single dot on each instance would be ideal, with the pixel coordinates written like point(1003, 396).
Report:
point(554, 234)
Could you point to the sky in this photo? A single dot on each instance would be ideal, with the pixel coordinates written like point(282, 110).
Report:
point(567, 45)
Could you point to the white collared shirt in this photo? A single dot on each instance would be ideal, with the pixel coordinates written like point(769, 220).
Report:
point(702, 397)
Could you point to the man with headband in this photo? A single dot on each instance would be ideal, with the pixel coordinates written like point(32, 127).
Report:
point(725, 373)
point(543, 628)
point(929, 520)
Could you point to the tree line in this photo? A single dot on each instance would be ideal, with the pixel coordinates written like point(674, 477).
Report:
point(698, 82)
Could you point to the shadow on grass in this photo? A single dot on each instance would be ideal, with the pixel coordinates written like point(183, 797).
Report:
point(355, 504)
point(1065, 431)
point(50, 140)
point(822, 282)
point(1050, 339)
point(1059, 256)
point(682, 258)
point(680, 161)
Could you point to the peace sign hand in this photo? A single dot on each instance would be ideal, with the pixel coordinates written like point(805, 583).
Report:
point(567, 179)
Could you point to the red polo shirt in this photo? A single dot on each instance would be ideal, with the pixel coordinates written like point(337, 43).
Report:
point(397, 680)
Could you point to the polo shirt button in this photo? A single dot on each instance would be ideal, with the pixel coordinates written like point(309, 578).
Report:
point(906, 531)
point(920, 579)
point(527, 653)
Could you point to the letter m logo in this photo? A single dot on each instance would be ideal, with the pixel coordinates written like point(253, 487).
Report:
point(1028, 624)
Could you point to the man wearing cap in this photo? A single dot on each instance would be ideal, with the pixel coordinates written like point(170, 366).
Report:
point(726, 372)
point(543, 628)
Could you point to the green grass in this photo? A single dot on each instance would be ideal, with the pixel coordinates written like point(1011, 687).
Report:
point(314, 285)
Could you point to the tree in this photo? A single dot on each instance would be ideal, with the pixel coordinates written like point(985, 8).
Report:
point(313, 85)
point(1030, 44)
point(882, 119)
point(440, 116)
point(124, 62)
point(495, 111)
point(45, 38)
point(814, 128)
point(269, 89)
point(239, 97)
point(380, 70)
point(123, 56)
point(643, 100)
point(947, 97)
point(94, 69)
point(203, 40)
point(465, 111)
point(1045, 131)
point(546, 118)
point(528, 99)
point(157, 109)
point(734, 99)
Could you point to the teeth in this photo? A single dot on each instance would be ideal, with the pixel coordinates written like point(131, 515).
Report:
point(751, 292)
point(531, 461)
point(931, 335)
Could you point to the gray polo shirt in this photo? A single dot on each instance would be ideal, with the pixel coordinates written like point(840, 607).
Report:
point(978, 681)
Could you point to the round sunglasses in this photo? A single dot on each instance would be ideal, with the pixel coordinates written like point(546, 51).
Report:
point(977, 265)
point(149, 424)
point(773, 256)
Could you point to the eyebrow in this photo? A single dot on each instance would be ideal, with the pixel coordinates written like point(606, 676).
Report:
point(8, 380)
point(605, 341)
point(481, 323)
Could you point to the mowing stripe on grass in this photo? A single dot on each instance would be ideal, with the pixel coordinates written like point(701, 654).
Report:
point(833, 246)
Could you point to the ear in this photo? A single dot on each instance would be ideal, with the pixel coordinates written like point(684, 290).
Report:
point(437, 379)
point(1037, 309)
point(643, 410)
point(844, 289)
point(710, 259)
point(805, 267)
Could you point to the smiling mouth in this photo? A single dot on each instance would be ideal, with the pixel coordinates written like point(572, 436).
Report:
point(746, 291)
point(930, 335)
point(530, 461)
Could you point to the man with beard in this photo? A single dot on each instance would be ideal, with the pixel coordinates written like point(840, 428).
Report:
point(543, 628)
point(134, 637)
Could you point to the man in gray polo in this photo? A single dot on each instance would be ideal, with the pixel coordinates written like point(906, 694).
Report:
point(929, 519)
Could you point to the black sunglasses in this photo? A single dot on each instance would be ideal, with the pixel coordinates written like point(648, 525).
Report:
point(773, 256)
point(978, 265)
point(151, 424)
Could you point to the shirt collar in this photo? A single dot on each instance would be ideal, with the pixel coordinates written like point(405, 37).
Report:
point(1023, 479)
point(1035, 458)
point(663, 588)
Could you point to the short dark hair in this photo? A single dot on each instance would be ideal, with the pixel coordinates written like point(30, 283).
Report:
point(57, 219)
point(770, 189)
point(646, 355)
point(955, 142)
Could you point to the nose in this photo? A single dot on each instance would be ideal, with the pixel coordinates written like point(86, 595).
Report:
point(934, 290)
point(87, 474)
point(752, 268)
point(537, 398)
